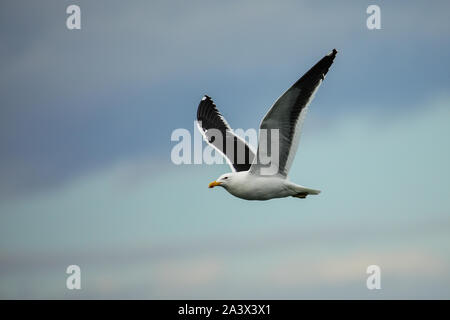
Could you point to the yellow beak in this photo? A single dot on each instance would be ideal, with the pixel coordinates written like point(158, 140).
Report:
point(214, 184)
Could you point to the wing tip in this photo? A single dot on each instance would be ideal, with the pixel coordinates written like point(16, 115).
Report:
point(329, 58)
point(333, 53)
point(206, 97)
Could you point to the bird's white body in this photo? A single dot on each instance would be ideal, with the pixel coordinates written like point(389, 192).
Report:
point(248, 186)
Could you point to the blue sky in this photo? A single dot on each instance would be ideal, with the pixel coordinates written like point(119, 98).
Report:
point(86, 177)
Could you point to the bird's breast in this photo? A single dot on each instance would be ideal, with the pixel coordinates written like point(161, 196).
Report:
point(258, 188)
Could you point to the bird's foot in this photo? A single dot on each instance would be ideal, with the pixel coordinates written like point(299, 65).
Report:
point(301, 195)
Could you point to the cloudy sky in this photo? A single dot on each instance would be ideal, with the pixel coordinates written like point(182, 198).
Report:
point(86, 177)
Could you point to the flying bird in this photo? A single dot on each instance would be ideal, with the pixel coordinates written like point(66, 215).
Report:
point(253, 176)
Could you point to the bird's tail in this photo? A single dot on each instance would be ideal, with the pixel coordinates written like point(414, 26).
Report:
point(302, 192)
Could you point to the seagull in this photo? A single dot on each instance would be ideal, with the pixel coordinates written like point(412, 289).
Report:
point(248, 179)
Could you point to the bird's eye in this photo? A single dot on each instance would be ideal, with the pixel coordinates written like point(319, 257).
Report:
point(225, 178)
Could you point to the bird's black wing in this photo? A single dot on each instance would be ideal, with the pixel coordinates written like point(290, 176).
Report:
point(218, 133)
point(286, 116)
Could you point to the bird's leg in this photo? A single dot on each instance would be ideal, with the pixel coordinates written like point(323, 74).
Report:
point(301, 195)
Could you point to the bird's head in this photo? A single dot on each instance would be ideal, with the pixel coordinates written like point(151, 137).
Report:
point(223, 181)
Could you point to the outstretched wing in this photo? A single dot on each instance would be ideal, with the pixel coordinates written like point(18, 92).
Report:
point(217, 133)
point(287, 115)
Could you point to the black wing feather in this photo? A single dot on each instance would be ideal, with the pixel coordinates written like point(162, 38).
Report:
point(209, 118)
point(285, 113)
